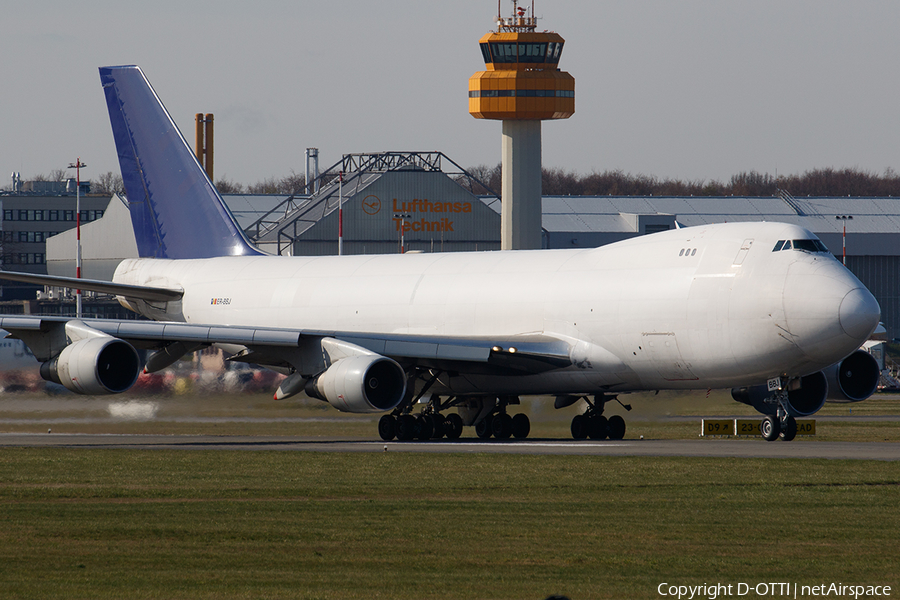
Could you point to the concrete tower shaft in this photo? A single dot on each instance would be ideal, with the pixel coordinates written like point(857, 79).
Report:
point(520, 220)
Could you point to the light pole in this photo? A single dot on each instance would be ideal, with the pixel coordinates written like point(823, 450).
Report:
point(402, 218)
point(77, 166)
point(340, 213)
point(843, 219)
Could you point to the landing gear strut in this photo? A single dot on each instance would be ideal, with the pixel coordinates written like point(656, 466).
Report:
point(594, 425)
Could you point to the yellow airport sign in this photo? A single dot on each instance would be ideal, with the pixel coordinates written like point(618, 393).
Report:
point(806, 427)
point(746, 427)
point(717, 427)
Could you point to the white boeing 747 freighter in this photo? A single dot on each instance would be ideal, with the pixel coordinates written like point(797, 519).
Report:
point(762, 308)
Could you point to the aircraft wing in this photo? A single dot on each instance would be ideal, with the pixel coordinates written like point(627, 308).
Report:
point(95, 285)
point(299, 347)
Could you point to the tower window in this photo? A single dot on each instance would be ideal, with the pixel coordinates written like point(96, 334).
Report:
point(486, 52)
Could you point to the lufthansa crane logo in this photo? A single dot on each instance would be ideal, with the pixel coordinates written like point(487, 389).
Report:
point(371, 205)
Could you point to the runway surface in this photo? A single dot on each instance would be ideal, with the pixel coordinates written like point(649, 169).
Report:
point(740, 448)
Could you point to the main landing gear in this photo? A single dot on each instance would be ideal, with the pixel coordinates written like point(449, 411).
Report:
point(423, 426)
point(501, 425)
point(592, 424)
point(488, 414)
point(426, 425)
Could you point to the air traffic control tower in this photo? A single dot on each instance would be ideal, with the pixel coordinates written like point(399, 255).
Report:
point(521, 86)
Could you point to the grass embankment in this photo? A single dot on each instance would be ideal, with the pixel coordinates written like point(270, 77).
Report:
point(183, 524)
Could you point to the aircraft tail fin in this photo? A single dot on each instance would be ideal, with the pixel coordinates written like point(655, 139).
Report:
point(176, 211)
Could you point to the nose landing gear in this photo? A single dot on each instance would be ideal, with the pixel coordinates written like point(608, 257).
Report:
point(774, 426)
point(781, 423)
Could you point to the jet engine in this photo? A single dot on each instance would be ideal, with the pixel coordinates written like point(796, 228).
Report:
point(853, 379)
point(360, 384)
point(96, 365)
point(804, 400)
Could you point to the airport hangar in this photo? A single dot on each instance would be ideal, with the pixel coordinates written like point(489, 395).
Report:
point(426, 202)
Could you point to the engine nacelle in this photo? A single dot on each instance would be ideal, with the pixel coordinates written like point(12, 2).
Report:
point(853, 379)
point(97, 365)
point(360, 384)
point(804, 400)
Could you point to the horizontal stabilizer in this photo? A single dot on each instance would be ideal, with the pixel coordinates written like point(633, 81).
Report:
point(94, 285)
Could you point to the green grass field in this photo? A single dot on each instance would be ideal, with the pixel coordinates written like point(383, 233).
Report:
point(194, 524)
point(207, 524)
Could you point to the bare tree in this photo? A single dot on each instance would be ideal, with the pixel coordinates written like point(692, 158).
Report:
point(293, 183)
point(489, 176)
point(107, 184)
point(557, 181)
point(54, 175)
point(229, 187)
point(286, 185)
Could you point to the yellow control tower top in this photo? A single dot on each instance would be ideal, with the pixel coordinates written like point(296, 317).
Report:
point(522, 80)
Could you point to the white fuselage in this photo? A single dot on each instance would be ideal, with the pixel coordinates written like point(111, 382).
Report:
point(701, 307)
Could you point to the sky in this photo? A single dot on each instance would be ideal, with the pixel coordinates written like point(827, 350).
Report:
point(686, 89)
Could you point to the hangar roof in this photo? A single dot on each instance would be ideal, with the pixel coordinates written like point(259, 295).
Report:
point(596, 214)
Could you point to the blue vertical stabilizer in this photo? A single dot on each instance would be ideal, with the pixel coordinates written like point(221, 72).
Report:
point(175, 209)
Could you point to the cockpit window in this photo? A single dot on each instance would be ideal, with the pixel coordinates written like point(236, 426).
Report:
point(805, 245)
point(808, 245)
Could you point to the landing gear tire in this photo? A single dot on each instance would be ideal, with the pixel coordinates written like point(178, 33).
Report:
point(789, 429)
point(521, 426)
point(579, 427)
point(387, 427)
point(770, 428)
point(437, 426)
point(598, 427)
point(501, 426)
point(425, 427)
point(483, 427)
point(406, 427)
point(616, 427)
point(453, 426)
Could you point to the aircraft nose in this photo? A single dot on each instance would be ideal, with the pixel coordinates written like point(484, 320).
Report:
point(859, 313)
point(829, 312)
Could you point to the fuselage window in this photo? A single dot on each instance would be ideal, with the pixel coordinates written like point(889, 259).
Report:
point(778, 246)
point(681, 253)
point(693, 252)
